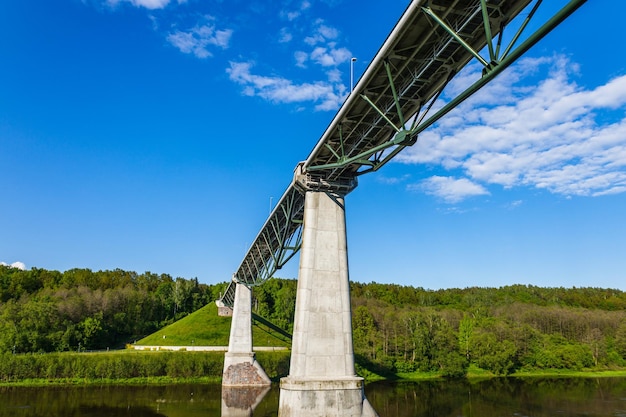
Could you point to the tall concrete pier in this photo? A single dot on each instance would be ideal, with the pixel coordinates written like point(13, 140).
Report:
point(240, 366)
point(322, 380)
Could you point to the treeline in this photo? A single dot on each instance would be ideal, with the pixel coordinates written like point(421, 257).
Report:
point(502, 330)
point(396, 328)
point(80, 309)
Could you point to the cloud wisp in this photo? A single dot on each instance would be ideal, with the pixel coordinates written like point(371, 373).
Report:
point(200, 38)
point(319, 52)
point(549, 134)
point(148, 4)
point(313, 49)
point(277, 89)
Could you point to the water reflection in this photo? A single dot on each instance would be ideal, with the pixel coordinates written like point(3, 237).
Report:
point(537, 397)
point(241, 401)
point(106, 411)
point(512, 397)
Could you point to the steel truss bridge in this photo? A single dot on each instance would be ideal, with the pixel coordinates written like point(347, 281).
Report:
point(392, 103)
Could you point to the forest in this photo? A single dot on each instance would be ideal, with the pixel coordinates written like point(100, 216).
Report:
point(402, 329)
point(397, 329)
point(79, 309)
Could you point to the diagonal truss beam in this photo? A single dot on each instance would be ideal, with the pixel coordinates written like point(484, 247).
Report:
point(278, 241)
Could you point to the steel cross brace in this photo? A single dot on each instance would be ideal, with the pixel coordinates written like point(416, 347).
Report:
point(278, 241)
point(376, 157)
point(276, 244)
point(508, 57)
point(493, 53)
point(402, 137)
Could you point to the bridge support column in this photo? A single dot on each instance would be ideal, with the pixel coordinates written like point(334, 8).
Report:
point(240, 367)
point(322, 380)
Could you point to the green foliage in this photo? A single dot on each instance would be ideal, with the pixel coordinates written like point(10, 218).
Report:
point(494, 356)
point(620, 339)
point(205, 327)
point(275, 364)
point(499, 330)
point(126, 365)
point(118, 365)
point(396, 328)
point(275, 300)
point(556, 352)
point(50, 311)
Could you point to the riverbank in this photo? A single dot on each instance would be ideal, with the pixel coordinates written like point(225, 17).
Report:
point(126, 366)
point(130, 367)
point(478, 374)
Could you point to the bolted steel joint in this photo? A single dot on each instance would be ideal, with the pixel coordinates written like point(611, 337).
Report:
point(318, 181)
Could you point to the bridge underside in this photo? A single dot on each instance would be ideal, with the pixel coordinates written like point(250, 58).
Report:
point(389, 107)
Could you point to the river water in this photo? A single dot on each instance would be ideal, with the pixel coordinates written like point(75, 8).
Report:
point(501, 397)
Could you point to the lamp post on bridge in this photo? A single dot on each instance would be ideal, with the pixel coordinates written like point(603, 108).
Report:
point(352, 61)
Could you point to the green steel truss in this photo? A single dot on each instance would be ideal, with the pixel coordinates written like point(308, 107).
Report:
point(277, 242)
point(391, 105)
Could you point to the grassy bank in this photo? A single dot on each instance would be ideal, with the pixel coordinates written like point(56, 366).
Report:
point(130, 367)
point(125, 367)
point(475, 373)
point(205, 327)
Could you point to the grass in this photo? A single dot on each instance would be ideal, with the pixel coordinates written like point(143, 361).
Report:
point(475, 373)
point(205, 328)
point(570, 374)
point(155, 380)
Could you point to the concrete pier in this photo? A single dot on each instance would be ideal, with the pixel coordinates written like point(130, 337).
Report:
point(240, 366)
point(322, 380)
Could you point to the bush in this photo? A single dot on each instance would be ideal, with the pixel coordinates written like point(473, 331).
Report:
point(275, 364)
point(114, 365)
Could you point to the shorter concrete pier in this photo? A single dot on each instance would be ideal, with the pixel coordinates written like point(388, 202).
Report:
point(240, 366)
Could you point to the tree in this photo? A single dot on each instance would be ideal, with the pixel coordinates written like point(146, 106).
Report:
point(493, 355)
point(364, 332)
point(91, 331)
point(620, 339)
point(466, 329)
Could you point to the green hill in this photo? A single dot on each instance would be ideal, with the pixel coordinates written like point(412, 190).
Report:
point(205, 328)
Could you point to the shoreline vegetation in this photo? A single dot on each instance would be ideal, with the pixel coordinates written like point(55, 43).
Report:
point(50, 320)
point(128, 367)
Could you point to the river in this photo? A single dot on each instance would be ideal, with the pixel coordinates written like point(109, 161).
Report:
point(500, 397)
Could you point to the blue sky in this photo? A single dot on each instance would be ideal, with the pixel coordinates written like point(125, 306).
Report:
point(154, 135)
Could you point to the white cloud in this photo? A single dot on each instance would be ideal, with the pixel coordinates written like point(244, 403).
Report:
point(18, 265)
point(322, 33)
point(198, 39)
point(292, 15)
point(148, 4)
point(301, 58)
point(523, 132)
point(393, 180)
point(324, 53)
point(330, 56)
point(285, 36)
point(450, 189)
point(281, 90)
